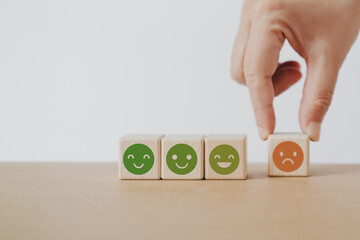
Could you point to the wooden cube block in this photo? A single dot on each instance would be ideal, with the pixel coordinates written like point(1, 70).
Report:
point(140, 156)
point(288, 154)
point(225, 156)
point(182, 157)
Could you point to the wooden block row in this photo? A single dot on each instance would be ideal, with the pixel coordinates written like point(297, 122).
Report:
point(183, 157)
point(209, 157)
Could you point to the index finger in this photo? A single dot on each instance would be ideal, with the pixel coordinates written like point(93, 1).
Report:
point(260, 63)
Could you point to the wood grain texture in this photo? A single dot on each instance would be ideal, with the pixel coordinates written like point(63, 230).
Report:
point(73, 201)
point(196, 142)
point(237, 141)
point(299, 138)
point(153, 141)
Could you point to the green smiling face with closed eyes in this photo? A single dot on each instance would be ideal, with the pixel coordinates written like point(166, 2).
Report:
point(224, 159)
point(138, 159)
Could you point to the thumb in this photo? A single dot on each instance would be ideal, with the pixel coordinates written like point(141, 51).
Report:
point(317, 95)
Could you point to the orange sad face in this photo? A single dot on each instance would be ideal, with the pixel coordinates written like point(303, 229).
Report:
point(288, 156)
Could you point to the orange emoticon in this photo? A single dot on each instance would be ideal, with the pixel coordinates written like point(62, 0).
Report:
point(288, 156)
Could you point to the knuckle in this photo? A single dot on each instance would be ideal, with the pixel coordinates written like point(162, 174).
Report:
point(252, 75)
point(260, 106)
point(269, 13)
point(322, 101)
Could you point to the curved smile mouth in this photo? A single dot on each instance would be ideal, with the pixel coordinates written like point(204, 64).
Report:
point(224, 164)
point(183, 166)
point(288, 159)
point(139, 166)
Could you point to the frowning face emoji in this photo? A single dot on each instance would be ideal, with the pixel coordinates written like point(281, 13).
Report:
point(288, 156)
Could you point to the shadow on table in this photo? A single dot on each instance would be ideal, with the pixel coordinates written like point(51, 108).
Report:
point(317, 170)
point(259, 171)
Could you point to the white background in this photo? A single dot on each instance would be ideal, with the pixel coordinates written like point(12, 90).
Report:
point(76, 75)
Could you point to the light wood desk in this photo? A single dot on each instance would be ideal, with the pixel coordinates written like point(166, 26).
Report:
point(87, 201)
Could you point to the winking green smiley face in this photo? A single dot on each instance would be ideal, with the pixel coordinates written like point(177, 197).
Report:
point(181, 159)
point(224, 159)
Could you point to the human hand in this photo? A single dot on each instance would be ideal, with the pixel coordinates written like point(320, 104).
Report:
point(320, 31)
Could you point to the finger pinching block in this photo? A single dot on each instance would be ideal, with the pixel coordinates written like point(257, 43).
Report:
point(288, 154)
point(182, 157)
point(140, 156)
point(225, 156)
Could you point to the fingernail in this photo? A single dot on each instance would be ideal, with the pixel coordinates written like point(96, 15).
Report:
point(313, 131)
point(263, 134)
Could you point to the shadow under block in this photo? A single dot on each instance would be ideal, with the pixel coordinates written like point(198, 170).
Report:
point(288, 154)
point(182, 157)
point(140, 156)
point(225, 156)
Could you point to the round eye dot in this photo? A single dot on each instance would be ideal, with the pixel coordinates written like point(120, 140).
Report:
point(295, 153)
point(188, 157)
point(281, 154)
point(174, 157)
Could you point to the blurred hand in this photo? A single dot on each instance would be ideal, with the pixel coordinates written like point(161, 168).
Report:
point(320, 31)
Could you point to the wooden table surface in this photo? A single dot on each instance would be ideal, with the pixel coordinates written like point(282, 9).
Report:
point(88, 201)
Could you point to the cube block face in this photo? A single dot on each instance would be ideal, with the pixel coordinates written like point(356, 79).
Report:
point(140, 157)
point(288, 154)
point(225, 157)
point(182, 157)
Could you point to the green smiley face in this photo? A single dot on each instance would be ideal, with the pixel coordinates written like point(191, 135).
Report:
point(181, 159)
point(224, 159)
point(138, 159)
